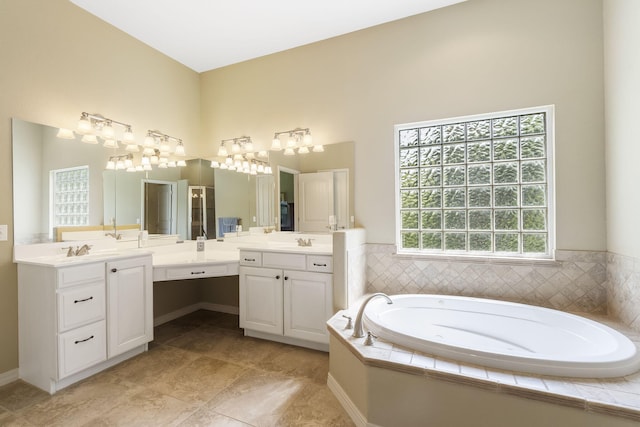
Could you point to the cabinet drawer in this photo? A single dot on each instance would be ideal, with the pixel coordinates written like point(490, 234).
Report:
point(81, 348)
point(251, 258)
point(80, 305)
point(197, 272)
point(284, 260)
point(79, 274)
point(320, 263)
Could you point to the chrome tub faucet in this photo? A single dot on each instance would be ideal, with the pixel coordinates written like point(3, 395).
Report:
point(358, 331)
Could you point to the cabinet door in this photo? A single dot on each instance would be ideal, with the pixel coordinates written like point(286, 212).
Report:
point(261, 299)
point(129, 304)
point(308, 304)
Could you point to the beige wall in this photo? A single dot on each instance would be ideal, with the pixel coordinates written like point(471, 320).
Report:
point(58, 61)
point(622, 86)
point(474, 57)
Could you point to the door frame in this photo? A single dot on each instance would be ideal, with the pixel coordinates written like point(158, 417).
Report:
point(174, 202)
point(295, 173)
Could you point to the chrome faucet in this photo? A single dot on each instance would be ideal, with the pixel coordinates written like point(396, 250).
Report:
point(70, 251)
point(84, 250)
point(358, 331)
point(302, 242)
point(115, 235)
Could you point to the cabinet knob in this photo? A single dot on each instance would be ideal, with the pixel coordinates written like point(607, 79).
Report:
point(114, 270)
point(286, 277)
point(278, 276)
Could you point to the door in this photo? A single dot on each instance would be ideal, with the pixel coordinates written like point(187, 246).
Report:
point(159, 206)
point(129, 304)
point(315, 200)
point(308, 304)
point(264, 201)
point(261, 299)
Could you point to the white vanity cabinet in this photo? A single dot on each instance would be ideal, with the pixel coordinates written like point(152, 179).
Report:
point(130, 304)
point(286, 297)
point(68, 314)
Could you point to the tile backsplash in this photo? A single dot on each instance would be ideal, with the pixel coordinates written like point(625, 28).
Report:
point(575, 281)
point(623, 289)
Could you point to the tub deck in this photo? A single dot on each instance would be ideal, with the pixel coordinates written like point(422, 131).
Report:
point(618, 397)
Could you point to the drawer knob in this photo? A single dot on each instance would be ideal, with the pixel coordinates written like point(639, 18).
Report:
point(286, 277)
point(278, 276)
point(319, 265)
point(197, 272)
point(82, 300)
point(250, 259)
point(84, 340)
point(114, 270)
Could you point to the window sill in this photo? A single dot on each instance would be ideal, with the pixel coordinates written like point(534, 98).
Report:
point(477, 259)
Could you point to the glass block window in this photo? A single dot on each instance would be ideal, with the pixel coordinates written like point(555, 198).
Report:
point(478, 185)
point(70, 196)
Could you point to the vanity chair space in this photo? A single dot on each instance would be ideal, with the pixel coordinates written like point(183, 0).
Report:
point(287, 295)
point(82, 315)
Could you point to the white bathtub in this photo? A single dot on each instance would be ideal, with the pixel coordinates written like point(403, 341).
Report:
point(503, 335)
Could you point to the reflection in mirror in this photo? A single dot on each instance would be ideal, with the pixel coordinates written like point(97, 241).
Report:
point(115, 200)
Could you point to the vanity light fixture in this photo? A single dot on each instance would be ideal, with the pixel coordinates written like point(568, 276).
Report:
point(94, 125)
point(299, 139)
point(241, 144)
point(157, 139)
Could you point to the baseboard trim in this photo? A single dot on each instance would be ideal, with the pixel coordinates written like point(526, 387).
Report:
point(352, 410)
point(9, 377)
point(194, 307)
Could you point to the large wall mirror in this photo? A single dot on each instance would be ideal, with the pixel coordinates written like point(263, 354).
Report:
point(61, 184)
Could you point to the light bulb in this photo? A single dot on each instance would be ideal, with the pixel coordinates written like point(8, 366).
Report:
point(65, 134)
point(111, 165)
point(268, 170)
point(289, 151)
point(164, 145)
point(90, 139)
point(119, 165)
point(235, 147)
point(162, 165)
point(262, 153)
point(179, 151)
point(131, 169)
point(291, 142)
point(148, 151)
point(171, 164)
point(307, 138)
point(149, 141)
point(128, 163)
point(84, 125)
point(222, 151)
point(224, 166)
point(260, 168)
point(127, 136)
point(318, 148)
point(276, 145)
point(139, 168)
point(107, 131)
point(303, 150)
point(110, 143)
point(215, 164)
point(250, 155)
point(147, 167)
point(181, 163)
point(145, 161)
point(228, 161)
point(154, 160)
point(248, 146)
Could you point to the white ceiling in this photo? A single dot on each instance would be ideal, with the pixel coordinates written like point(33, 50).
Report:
point(208, 34)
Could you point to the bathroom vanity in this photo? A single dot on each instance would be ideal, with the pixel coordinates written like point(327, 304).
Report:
point(286, 294)
point(81, 315)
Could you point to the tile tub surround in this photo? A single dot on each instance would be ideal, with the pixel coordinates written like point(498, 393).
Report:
point(574, 281)
point(623, 289)
point(610, 402)
point(200, 370)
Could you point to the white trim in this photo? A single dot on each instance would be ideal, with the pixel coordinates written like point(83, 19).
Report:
point(194, 307)
point(287, 340)
point(9, 377)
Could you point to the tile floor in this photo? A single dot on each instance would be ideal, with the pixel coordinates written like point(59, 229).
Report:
point(199, 371)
